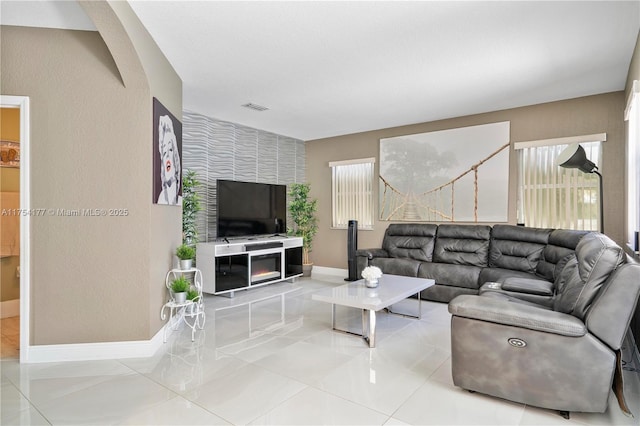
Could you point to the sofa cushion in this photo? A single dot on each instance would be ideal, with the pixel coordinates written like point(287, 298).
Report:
point(534, 291)
point(452, 275)
point(410, 241)
point(500, 275)
point(596, 257)
point(562, 242)
point(528, 285)
point(389, 265)
point(445, 293)
point(462, 245)
point(516, 247)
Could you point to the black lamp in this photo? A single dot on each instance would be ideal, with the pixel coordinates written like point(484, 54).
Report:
point(574, 157)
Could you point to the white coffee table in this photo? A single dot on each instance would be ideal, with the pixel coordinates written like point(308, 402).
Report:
point(391, 289)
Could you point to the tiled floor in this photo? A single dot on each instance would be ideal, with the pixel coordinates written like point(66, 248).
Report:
point(268, 356)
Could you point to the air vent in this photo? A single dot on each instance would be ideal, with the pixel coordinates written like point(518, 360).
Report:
point(255, 107)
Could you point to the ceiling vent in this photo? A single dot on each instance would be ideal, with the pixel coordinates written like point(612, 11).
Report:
point(255, 107)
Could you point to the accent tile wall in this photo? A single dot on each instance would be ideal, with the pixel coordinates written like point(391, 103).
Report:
point(217, 149)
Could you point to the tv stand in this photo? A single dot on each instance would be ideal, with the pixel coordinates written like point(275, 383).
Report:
point(244, 263)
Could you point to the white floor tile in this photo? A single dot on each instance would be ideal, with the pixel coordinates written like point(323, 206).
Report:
point(613, 415)
point(395, 422)
point(245, 394)
point(534, 416)
point(305, 362)
point(99, 400)
point(269, 356)
point(176, 411)
point(314, 407)
point(371, 380)
point(183, 371)
point(435, 403)
point(15, 409)
point(27, 417)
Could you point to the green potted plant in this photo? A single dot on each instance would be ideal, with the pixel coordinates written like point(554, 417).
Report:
point(190, 207)
point(303, 214)
point(179, 288)
point(192, 294)
point(186, 254)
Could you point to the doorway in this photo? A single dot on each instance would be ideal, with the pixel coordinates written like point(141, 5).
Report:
point(15, 244)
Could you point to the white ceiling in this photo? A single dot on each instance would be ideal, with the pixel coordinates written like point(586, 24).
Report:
point(332, 68)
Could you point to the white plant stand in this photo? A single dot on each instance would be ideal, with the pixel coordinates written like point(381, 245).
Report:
point(190, 312)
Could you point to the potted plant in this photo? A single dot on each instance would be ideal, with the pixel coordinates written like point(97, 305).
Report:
point(303, 214)
point(186, 254)
point(179, 287)
point(190, 207)
point(192, 294)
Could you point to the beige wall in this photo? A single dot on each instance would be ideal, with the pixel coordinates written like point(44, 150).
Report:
point(593, 114)
point(634, 67)
point(93, 279)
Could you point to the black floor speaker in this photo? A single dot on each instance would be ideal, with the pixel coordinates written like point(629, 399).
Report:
point(352, 246)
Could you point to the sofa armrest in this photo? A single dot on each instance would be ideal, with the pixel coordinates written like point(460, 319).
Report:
point(517, 315)
point(371, 253)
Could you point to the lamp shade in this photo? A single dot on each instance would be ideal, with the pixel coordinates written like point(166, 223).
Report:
point(574, 157)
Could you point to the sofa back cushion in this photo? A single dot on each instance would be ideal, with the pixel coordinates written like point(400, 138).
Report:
point(562, 242)
point(585, 273)
point(516, 247)
point(410, 240)
point(462, 245)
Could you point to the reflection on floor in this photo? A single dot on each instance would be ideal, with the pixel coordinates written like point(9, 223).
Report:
point(10, 337)
point(269, 356)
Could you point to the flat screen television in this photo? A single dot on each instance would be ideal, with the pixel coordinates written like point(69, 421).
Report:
point(250, 209)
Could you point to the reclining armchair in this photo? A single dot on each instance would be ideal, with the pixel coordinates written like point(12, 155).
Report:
point(562, 354)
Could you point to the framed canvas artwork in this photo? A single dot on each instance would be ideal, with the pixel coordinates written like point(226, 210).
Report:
point(455, 175)
point(167, 156)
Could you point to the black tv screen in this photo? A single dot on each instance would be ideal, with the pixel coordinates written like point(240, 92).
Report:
point(248, 209)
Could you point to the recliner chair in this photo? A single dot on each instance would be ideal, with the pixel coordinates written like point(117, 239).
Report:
point(563, 354)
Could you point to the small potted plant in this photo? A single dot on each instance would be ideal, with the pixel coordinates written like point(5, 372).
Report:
point(303, 213)
point(192, 294)
point(186, 254)
point(179, 288)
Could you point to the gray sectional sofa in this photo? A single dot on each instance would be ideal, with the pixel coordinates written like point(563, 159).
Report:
point(539, 316)
point(461, 258)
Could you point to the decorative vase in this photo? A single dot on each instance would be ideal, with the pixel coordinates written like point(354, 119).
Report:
point(371, 283)
point(186, 264)
point(306, 269)
point(180, 297)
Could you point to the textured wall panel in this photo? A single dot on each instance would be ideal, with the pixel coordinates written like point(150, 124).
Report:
point(300, 162)
point(286, 159)
point(195, 157)
point(268, 158)
point(246, 154)
point(218, 149)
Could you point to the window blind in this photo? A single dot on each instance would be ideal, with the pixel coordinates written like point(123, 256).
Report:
point(550, 196)
point(352, 192)
point(632, 116)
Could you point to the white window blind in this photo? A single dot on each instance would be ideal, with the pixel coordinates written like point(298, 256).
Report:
point(632, 115)
point(352, 192)
point(550, 196)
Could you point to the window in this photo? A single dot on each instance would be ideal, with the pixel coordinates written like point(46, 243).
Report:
point(632, 116)
point(352, 192)
point(550, 196)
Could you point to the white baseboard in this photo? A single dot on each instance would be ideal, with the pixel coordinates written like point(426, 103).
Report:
point(324, 270)
point(10, 308)
point(95, 351)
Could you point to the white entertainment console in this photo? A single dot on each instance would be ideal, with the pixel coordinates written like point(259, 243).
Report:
point(240, 264)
